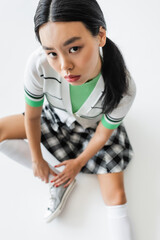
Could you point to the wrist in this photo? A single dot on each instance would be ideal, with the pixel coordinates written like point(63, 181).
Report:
point(37, 158)
point(36, 154)
point(81, 161)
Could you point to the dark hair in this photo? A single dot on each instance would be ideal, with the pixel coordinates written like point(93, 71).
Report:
point(113, 70)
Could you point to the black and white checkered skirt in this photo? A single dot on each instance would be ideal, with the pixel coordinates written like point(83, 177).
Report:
point(67, 143)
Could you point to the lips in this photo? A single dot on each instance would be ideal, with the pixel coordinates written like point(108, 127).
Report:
point(72, 78)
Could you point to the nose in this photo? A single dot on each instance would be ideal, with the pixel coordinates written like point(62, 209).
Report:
point(66, 64)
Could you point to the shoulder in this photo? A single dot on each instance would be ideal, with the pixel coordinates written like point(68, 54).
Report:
point(36, 58)
point(37, 63)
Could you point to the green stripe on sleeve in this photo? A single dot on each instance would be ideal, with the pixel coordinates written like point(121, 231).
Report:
point(108, 125)
point(32, 103)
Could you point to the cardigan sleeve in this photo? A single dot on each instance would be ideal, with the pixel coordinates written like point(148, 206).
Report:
point(114, 118)
point(33, 82)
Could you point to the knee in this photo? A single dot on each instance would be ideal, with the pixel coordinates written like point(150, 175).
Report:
point(116, 197)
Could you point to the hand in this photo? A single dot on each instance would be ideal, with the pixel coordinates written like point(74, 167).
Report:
point(42, 170)
point(72, 168)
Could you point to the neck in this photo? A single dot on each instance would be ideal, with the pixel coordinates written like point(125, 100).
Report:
point(98, 69)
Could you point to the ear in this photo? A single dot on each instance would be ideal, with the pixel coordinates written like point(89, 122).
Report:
point(102, 36)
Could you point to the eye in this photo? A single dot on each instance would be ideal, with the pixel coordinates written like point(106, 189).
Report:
point(52, 54)
point(74, 49)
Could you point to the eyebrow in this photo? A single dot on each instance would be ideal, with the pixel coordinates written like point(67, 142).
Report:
point(69, 41)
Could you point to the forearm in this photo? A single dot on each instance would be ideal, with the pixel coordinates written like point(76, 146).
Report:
point(99, 139)
point(33, 133)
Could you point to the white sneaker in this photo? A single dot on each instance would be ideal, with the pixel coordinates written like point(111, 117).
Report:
point(58, 197)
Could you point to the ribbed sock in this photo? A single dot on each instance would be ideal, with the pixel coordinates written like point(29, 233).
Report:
point(119, 227)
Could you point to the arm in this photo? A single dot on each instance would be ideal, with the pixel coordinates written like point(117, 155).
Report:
point(33, 132)
point(73, 166)
point(34, 98)
point(108, 123)
point(99, 139)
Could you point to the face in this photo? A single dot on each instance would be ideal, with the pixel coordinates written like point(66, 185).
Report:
point(71, 50)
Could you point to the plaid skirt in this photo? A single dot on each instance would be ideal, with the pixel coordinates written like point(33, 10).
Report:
point(67, 143)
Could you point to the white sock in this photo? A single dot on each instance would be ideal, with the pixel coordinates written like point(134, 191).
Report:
point(18, 150)
point(118, 223)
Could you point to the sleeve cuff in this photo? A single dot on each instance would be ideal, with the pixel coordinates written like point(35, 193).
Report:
point(34, 103)
point(33, 100)
point(110, 124)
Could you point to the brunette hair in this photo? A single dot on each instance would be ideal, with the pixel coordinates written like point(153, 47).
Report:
point(114, 70)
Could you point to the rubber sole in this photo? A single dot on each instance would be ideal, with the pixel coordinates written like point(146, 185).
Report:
point(62, 203)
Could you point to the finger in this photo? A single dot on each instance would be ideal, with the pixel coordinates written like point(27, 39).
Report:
point(58, 177)
point(61, 181)
point(69, 182)
point(53, 173)
point(46, 180)
point(60, 164)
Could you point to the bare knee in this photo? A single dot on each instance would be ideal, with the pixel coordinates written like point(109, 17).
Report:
point(116, 197)
point(12, 127)
point(112, 188)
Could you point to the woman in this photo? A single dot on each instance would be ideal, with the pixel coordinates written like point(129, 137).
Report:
point(89, 91)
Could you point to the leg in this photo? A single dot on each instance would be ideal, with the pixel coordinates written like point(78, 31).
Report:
point(12, 144)
point(112, 188)
point(12, 127)
point(12, 133)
